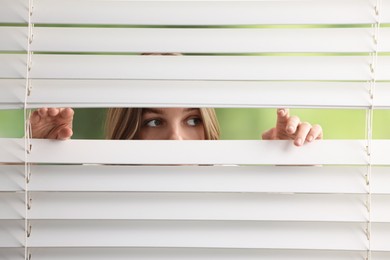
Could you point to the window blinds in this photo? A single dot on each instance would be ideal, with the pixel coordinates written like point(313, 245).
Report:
point(80, 199)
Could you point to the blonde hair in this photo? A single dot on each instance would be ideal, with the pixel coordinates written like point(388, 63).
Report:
point(125, 123)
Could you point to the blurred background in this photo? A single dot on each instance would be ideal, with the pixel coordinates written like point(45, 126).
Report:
point(236, 123)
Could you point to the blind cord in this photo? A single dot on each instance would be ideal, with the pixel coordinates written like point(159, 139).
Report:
point(28, 133)
point(370, 118)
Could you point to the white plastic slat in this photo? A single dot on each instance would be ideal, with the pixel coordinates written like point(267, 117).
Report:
point(380, 235)
point(380, 208)
point(204, 12)
point(204, 67)
point(12, 205)
point(213, 152)
point(380, 179)
point(384, 32)
point(385, 11)
point(13, 66)
point(380, 255)
point(13, 11)
point(144, 93)
point(12, 93)
point(12, 150)
point(382, 92)
point(379, 152)
point(237, 40)
point(210, 234)
point(12, 233)
point(194, 67)
point(188, 152)
point(194, 254)
point(185, 93)
point(383, 68)
point(13, 38)
point(179, 93)
point(76, 39)
point(265, 179)
point(12, 253)
point(12, 177)
point(200, 206)
point(179, 13)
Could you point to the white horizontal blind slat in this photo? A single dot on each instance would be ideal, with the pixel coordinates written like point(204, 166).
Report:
point(199, 206)
point(14, 11)
point(380, 151)
point(59, 39)
point(203, 12)
point(12, 150)
point(12, 205)
point(194, 67)
point(186, 152)
point(195, 254)
point(262, 179)
point(380, 179)
point(143, 93)
point(383, 69)
point(13, 66)
point(13, 38)
point(12, 253)
point(380, 212)
point(380, 236)
point(385, 11)
point(220, 234)
point(382, 93)
point(203, 68)
point(12, 233)
point(241, 152)
point(385, 39)
point(347, 40)
point(12, 93)
point(11, 178)
point(202, 206)
point(184, 93)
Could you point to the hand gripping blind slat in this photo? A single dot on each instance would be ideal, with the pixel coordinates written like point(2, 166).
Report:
point(102, 199)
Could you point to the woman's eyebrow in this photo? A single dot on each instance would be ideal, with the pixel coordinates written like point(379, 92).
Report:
point(152, 110)
point(191, 109)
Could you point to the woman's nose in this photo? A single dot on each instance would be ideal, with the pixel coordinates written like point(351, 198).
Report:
point(176, 133)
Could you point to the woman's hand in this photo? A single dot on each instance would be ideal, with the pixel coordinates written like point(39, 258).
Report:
point(52, 123)
point(291, 127)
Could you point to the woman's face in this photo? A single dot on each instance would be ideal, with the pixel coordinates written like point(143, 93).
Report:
point(171, 124)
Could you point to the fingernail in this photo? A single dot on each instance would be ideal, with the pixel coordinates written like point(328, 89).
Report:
point(310, 138)
point(299, 141)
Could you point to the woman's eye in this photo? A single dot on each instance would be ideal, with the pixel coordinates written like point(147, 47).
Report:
point(194, 121)
point(152, 123)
